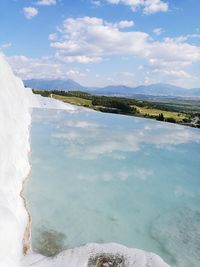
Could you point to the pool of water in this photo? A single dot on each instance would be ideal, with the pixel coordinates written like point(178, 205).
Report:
point(110, 178)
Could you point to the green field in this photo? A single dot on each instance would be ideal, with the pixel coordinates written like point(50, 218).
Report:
point(74, 100)
point(178, 116)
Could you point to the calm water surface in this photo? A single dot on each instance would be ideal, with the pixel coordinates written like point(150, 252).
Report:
point(109, 178)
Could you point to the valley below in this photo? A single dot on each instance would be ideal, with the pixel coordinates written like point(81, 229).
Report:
point(180, 110)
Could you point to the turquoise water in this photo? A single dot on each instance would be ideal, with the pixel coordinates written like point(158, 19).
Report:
point(109, 178)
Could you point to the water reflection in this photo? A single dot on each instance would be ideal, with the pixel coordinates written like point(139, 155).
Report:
point(101, 139)
point(108, 178)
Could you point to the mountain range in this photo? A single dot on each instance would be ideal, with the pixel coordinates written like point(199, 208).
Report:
point(113, 90)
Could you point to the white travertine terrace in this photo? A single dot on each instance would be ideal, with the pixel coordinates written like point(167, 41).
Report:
point(15, 120)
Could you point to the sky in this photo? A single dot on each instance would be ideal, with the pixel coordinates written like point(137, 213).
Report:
point(103, 42)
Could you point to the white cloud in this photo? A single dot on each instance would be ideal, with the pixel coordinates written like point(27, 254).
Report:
point(155, 6)
point(5, 46)
point(96, 3)
point(74, 73)
point(46, 2)
point(148, 6)
point(90, 39)
point(143, 173)
point(173, 73)
point(124, 78)
point(52, 36)
point(27, 68)
point(81, 124)
point(61, 56)
point(124, 24)
point(172, 54)
point(44, 68)
point(184, 38)
point(158, 31)
point(30, 12)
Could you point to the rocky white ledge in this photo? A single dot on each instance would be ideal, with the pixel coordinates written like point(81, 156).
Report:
point(98, 255)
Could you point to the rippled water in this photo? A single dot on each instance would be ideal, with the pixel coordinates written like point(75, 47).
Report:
point(109, 178)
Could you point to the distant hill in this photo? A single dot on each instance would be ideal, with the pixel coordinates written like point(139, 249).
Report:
point(153, 90)
point(120, 90)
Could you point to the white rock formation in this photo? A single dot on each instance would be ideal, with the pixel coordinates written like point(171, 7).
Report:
point(79, 257)
point(14, 166)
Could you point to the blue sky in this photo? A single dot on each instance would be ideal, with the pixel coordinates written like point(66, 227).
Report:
point(101, 42)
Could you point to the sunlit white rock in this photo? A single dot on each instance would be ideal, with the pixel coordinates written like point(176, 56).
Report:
point(14, 166)
point(79, 257)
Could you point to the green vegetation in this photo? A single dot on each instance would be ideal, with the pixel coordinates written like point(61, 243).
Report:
point(160, 117)
point(171, 119)
point(73, 100)
point(113, 104)
point(154, 113)
point(182, 112)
